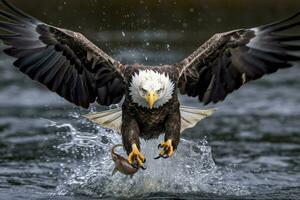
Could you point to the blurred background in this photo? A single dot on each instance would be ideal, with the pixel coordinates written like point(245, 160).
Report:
point(249, 149)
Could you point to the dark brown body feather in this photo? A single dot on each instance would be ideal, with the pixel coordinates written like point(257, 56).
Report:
point(146, 123)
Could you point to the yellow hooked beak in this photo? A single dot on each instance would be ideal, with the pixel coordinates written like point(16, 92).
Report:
point(151, 98)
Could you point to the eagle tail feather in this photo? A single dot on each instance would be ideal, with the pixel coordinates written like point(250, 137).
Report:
point(190, 116)
point(112, 119)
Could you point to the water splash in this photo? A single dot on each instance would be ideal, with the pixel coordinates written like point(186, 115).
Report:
point(191, 169)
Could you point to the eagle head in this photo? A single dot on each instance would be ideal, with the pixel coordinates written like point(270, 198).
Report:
point(151, 89)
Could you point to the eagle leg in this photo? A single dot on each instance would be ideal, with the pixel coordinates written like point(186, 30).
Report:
point(172, 134)
point(135, 158)
point(167, 149)
point(130, 137)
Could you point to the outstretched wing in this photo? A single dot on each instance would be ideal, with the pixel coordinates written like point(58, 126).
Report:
point(228, 60)
point(64, 61)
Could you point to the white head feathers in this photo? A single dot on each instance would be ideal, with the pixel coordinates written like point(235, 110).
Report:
point(148, 80)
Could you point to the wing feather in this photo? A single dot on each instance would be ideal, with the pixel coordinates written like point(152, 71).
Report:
point(64, 61)
point(228, 60)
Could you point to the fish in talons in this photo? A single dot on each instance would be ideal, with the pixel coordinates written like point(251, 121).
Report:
point(122, 165)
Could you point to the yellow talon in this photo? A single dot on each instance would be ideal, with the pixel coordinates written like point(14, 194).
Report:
point(167, 148)
point(135, 155)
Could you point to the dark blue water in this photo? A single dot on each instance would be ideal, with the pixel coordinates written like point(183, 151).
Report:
point(250, 148)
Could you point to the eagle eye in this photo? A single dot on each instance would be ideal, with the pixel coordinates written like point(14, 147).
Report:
point(160, 90)
point(143, 90)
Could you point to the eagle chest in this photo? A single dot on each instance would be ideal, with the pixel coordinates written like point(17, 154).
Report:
point(151, 122)
point(150, 118)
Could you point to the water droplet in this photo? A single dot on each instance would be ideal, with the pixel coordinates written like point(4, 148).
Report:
point(168, 47)
point(191, 10)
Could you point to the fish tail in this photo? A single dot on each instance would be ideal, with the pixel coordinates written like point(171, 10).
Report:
point(114, 147)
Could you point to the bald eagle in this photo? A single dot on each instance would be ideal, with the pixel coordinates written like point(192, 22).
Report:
point(69, 64)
